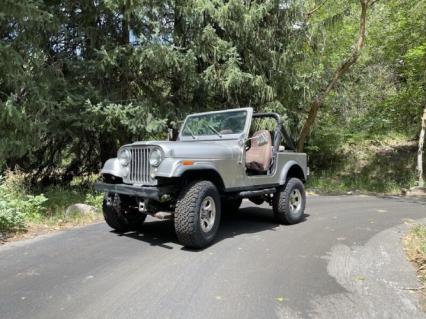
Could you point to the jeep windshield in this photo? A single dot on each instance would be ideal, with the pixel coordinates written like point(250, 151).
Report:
point(215, 124)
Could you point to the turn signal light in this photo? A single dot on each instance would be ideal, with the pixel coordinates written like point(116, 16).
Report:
point(187, 163)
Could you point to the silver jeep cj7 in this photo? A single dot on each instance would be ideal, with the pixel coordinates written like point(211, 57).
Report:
point(218, 159)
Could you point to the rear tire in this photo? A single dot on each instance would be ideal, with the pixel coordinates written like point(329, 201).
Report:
point(289, 202)
point(119, 215)
point(197, 214)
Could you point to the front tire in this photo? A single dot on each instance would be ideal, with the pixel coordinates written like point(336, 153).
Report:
point(289, 203)
point(119, 214)
point(197, 214)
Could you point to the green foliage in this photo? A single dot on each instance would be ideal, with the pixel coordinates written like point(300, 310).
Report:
point(16, 206)
point(96, 75)
point(11, 219)
point(366, 164)
point(15, 191)
point(94, 200)
point(419, 232)
point(334, 182)
point(79, 190)
point(59, 198)
point(79, 79)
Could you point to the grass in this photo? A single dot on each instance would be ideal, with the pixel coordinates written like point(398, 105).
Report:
point(43, 209)
point(337, 182)
point(415, 244)
point(58, 199)
point(415, 248)
point(379, 165)
point(52, 215)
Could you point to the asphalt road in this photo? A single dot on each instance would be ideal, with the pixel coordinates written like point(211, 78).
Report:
point(344, 260)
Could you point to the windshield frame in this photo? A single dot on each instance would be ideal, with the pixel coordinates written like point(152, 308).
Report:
point(215, 137)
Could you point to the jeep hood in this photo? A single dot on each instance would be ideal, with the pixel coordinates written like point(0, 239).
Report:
point(195, 149)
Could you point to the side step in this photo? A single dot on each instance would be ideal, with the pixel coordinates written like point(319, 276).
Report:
point(254, 193)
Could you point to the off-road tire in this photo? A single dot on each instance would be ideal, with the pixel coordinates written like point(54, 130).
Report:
point(119, 216)
point(187, 214)
point(281, 203)
point(231, 206)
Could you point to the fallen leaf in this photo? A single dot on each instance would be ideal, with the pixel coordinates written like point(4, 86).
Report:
point(408, 221)
point(281, 299)
point(360, 278)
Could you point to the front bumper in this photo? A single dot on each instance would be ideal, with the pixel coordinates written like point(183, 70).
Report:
point(150, 192)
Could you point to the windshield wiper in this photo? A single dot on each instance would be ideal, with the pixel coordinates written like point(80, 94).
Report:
point(214, 130)
point(192, 133)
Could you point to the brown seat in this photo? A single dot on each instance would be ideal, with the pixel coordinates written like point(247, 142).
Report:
point(259, 158)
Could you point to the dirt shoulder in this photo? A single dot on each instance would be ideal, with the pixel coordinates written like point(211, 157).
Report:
point(34, 230)
point(415, 248)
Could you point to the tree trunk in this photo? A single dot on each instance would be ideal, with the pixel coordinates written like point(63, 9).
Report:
point(342, 70)
point(420, 151)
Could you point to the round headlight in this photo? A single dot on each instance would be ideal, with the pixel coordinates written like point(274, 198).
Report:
point(124, 157)
point(156, 157)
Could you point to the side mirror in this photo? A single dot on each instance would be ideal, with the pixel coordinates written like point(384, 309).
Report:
point(172, 134)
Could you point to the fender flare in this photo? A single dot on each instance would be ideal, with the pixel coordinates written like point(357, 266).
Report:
point(197, 166)
point(205, 169)
point(113, 167)
point(286, 169)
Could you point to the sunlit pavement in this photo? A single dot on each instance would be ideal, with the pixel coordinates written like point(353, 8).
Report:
point(345, 259)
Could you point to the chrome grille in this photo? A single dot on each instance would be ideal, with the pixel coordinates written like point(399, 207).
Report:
point(139, 165)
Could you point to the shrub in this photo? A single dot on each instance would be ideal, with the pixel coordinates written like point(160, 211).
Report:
point(11, 219)
point(94, 200)
point(16, 205)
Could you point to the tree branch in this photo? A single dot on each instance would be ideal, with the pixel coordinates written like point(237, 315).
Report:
point(310, 13)
point(338, 73)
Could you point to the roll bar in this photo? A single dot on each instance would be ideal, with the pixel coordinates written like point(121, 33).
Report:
point(279, 130)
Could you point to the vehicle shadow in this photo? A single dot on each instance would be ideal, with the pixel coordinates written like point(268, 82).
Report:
point(248, 220)
point(154, 232)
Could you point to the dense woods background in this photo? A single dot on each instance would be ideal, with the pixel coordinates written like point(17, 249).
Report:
point(79, 78)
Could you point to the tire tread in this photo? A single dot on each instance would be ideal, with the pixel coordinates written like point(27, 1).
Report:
point(280, 202)
point(186, 214)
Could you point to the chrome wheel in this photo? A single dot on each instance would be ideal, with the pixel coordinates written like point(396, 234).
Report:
point(207, 214)
point(295, 201)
